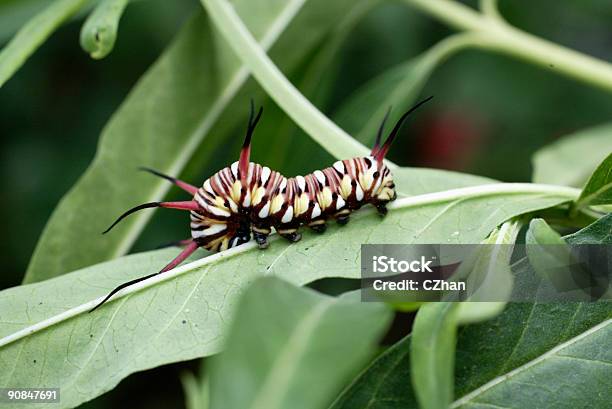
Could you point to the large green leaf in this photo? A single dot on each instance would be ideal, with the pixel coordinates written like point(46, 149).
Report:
point(565, 368)
point(542, 347)
point(397, 87)
point(572, 159)
point(182, 314)
point(290, 347)
point(192, 87)
point(34, 33)
point(598, 190)
point(524, 341)
point(556, 357)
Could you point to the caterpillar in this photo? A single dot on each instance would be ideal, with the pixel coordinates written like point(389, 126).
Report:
point(247, 198)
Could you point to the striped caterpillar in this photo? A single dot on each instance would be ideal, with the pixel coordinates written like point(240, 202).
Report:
point(247, 198)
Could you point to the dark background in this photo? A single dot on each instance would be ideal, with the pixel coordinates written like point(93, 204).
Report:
point(491, 113)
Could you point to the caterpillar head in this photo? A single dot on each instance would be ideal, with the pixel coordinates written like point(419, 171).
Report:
point(376, 180)
point(384, 187)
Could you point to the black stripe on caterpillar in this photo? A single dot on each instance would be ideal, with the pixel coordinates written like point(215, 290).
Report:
point(247, 198)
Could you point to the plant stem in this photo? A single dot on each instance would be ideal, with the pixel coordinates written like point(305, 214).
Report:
point(325, 132)
point(501, 37)
point(485, 190)
point(489, 9)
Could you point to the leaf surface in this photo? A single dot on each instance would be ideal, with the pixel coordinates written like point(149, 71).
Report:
point(288, 351)
point(183, 315)
point(572, 159)
point(598, 190)
point(397, 87)
point(558, 352)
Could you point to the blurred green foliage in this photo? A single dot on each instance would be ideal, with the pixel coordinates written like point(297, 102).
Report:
point(490, 113)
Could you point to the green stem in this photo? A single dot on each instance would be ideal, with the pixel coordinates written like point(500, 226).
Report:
point(449, 46)
point(498, 36)
point(325, 132)
point(99, 33)
point(457, 15)
point(489, 9)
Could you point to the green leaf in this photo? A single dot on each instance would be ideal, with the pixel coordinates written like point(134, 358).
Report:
point(384, 384)
point(541, 348)
point(432, 354)
point(572, 159)
point(549, 254)
point(397, 87)
point(15, 13)
point(490, 270)
point(195, 86)
point(320, 128)
point(598, 190)
point(182, 314)
point(522, 342)
point(582, 362)
point(434, 331)
point(596, 233)
point(99, 33)
point(291, 347)
point(486, 272)
point(315, 79)
point(34, 33)
point(540, 232)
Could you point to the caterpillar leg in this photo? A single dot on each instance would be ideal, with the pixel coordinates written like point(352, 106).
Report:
point(342, 217)
point(187, 251)
point(318, 226)
point(290, 234)
point(183, 185)
point(381, 208)
point(260, 235)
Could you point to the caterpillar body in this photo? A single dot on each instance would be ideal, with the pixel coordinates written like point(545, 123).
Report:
point(229, 213)
point(247, 198)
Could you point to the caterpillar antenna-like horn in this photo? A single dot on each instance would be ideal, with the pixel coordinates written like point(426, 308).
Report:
point(189, 205)
point(380, 132)
point(245, 152)
point(121, 287)
point(183, 185)
point(187, 251)
point(380, 154)
point(175, 243)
